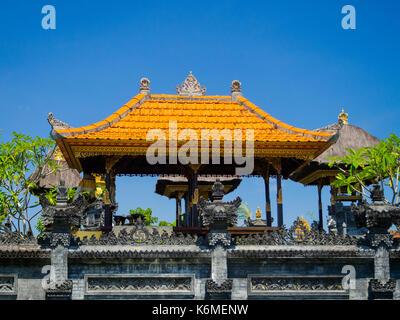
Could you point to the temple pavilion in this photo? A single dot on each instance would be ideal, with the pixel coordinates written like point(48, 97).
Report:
point(318, 173)
point(119, 144)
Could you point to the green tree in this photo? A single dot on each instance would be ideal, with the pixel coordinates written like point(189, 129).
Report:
point(360, 167)
point(19, 157)
point(148, 218)
point(163, 223)
point(244, 212)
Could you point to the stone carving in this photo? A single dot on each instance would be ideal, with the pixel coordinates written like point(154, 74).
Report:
point(16, 238)
point(214, 287)
point(377, 216)
point(145, 85)
point(93, 216)
point(190, 87)
point(139, 284)
point(141, 236)
point(331, 223)
point(236, 89)
point(62, 290)
point(221, 238)
point(298, 234)
point(61, 238)
point(57, 123)
point(61, 217)
point(7, 284)
point(295, 283)
point(381, 286)
point(218, 215)
point(375, 239)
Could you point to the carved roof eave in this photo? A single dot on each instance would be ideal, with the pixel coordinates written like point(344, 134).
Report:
point(24, 252)
point(300, 251)
point(149, 252)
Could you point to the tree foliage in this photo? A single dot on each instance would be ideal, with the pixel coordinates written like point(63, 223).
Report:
point(148, 218)
point(362, 166)
point(19, 157)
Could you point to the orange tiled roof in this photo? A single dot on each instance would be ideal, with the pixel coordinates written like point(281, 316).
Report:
point(142, 113)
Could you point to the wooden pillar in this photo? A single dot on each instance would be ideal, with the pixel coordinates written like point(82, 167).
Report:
point(179, 223)
point(267, 199)
point(279, 199)
point(320, 222)
point(107, 202)
point(189, 197)
point(110, 191)
point(177, 212)
point(195, 199)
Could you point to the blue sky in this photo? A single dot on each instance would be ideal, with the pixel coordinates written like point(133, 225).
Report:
point(293, 58)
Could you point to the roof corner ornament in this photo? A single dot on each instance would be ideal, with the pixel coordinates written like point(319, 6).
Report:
point(191, 87)
point(343, 117)
point(55, 123)
point(236, 89)
point(145, 86)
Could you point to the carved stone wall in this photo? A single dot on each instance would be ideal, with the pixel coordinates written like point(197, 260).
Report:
point(139, 284)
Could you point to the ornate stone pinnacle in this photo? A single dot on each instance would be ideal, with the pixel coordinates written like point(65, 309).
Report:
point(236, 89)
point(145, 86)
point(217, 190)
point(191, 87)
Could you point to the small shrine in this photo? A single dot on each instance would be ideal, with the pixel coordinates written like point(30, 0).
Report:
point(319, 174)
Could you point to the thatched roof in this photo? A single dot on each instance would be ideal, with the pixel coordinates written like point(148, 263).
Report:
point(174, 180)
point(63, 172)
point(350, 136)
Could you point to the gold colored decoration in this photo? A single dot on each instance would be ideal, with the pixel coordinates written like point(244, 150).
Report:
point(344, 117)
point(107, 197)
point(195, 196)
point(110, 162)
point(258, 213)
point(300, 232)
point(99, 192)
point(279, 200)
point(58, 156)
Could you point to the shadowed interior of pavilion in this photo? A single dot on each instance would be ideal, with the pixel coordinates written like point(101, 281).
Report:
point(117, 146)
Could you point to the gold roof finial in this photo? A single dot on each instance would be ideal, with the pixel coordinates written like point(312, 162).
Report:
point(344, 117)
point(258, 213)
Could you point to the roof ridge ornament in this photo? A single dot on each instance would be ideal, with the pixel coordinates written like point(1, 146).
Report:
point(343, 117)
point(145, 86)
point(236, 89)
point(55, 123)
point(191, 87)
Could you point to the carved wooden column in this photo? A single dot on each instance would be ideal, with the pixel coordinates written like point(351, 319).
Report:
point(195, 199)
point(180, 195)
point(107, 202)
point(279, 199)
point(109, 193)
point(267, 196)
point(320, 222)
